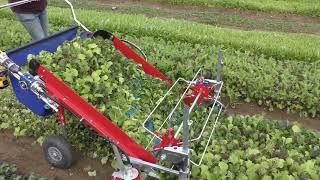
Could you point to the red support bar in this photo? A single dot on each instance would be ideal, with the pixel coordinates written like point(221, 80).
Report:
point(62, 120)
point(130, 54)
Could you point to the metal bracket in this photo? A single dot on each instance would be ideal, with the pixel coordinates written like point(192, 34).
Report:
point(125, 172)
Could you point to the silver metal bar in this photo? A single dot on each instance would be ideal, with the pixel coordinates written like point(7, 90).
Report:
point(38, 89)
point(75, 17)
point(190, 110)
point(213, 81)
point(184, 175)
point(119, 159)
point(141, 163)
point(219, 66)
point(10, 5)
point(219, 70)
point(195, 102)
point(186, 128)
point(137, 47)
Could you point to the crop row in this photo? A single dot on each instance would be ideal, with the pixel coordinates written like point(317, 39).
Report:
point(289, 85)
point(309, 8)
point(277, 45)
point(245, 147)
point(8, 171)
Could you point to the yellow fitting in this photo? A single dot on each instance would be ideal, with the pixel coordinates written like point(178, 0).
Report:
point(4, 82)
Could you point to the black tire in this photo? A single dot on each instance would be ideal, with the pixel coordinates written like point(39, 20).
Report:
point(58, 152)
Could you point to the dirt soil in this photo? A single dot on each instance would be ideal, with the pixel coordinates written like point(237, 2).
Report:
point(227, 11)
point(253, 109)
point(248, 14)
point(29, 158)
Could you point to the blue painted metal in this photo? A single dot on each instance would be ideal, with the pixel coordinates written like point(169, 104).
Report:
point(85, 35)
point(19, 56)
point(30, 100)
point(51, 43)
point(138, 85)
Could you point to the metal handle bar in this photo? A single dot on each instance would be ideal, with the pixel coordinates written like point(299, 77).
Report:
point(75, 17)
point(137, 47)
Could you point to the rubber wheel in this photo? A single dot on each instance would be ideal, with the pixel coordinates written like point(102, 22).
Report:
point(58, 152)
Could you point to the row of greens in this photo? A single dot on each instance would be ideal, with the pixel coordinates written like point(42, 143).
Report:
point(243, 147)
point(13, 35)
point(289, 85)
point(8, 171)
point(304, 7)
point(280, 46)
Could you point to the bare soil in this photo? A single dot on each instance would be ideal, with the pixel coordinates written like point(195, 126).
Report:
point(227, 11)
point(226, 17)
point(253, 109)
point(29, 158)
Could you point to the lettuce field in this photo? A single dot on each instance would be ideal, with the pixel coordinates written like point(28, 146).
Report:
point(273, 70)
point(304, 7)
point(9, 171)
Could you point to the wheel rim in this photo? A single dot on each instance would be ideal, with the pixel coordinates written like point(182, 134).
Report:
point(54, 154)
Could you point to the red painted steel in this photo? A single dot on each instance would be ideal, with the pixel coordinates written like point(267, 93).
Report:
point(62, 119)
point(205, 89)
point(167, 140)
point(130, 54)
point(76, 104)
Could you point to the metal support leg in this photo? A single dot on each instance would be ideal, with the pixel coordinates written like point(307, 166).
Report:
point(219, 73)
point(118, 157)
point(62, 122)
point(186, 129)
point(62, 119)
point(184, 172)
point(126, 172)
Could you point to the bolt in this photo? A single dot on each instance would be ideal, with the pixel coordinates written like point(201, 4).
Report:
point(163, 157)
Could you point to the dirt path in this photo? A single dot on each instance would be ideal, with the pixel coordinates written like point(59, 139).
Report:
point(253, 109)
point(29, 158)
point(226, 11)
point(233, 18)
